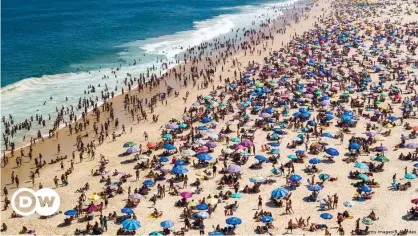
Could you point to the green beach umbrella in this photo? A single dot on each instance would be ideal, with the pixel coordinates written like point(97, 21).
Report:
point(182, 125)
point(167, 136)
point(207, 97)
point(367, 221)
point(323, 176)
point(292, 157)
point(381, 159)
point(364, 177)
point(236, 140)
point(129, 144)
point(410, 176)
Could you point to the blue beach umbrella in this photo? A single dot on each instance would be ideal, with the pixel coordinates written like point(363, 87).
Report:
point(202, 128)
point(314, 187)
point(179, 163)
point(217, 233)
point(327, 135)
point(365, 189)
point(416, 165)
point(163, 159)
point(132, 150)
point(131, 224)
point(169, 146)
point(300, 152)
point(204, 156)
point(361, 166)
point(202, 206)
point(295, 178)
point(279, 193)
point(206, 120)
point(167, 136)
point(236, 195)
point(410, 176)
point(202, 214)
point(326, 216)
point(148, 183)
point(354, 146)
point(266, 219)
point(260, 158)
point(323, 176)
point(233, 221)
point(156, 233)
point(179, 170)
point(275, 144)
point(71, 213)
point(332, 152)
point(315, 161)
point(127, 211)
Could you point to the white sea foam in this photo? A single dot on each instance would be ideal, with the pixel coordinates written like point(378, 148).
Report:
point(26, 97)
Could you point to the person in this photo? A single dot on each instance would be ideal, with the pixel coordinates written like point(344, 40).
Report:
point(289, 226)
point(3, 227)
point(201, 228)
point(260, 202)
point(105, 220)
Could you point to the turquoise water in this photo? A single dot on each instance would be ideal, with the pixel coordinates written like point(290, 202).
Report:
point(57, 48)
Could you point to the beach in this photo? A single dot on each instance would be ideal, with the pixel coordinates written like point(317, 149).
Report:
point(233, 79)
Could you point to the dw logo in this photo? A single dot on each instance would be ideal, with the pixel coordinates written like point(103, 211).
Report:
point(45, 202)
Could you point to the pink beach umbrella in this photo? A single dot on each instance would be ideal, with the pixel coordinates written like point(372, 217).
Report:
point(202, 149)
point(92, 208)
point(186, 194)
point(239, 147)
point(247, 143)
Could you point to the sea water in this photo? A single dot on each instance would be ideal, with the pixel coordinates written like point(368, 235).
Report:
point(52, 50)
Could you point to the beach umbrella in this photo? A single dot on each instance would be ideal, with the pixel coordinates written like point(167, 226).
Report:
point(127, 211)
point(187, 153)
point(172, 126)
point(167, 136)
point(327, 135)
point(381, 159)
point(179, 170)
point(179, 163)
point(202, 128)
point(412, 145)
point(129, 144)
point(279, 193)
point(348, 204)
point(210, 144)
point(151, 145)
point(295, 178)
point(131, 224)
point(71, 212)
point(410, 176)
point(132, 150)
point(276, 171)
point(186, 194)
point(206, 120)
point(228, 151)
point(266, 219)
point(235, 140)
point(315, 161)
point(182, 125)
point(361, 166)
point(314, 187)
point(332, 152)
point(265, 115)
point(92, 208)
point(257, 179)
point(218, 233)
point(364, 177)
point(354, 146)
point(233, 221)
point(260, 158)
point(367, 221)
point(300, 152)
point(292, 156)
point(381, 148)
point(275, 151)
point(234, 168)
point(392, 118)
point(156, 233)
point(95, 197)
point(202, 206)
point(135, 196)
point(416, 165)
point(236, 195)
point(148, 183)
point(326, 216)
point(365, 189)
point(163, 159)
point(370, 134)
point(414, 201)
point(311, 123)
point(202, 215)
point(275, 144)
point(323, 176)
point(169, 146)
point(204, 156)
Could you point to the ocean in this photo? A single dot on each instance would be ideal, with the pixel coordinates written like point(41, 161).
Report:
point(55, 49)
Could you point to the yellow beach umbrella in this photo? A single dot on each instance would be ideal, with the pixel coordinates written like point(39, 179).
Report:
point(95, 197)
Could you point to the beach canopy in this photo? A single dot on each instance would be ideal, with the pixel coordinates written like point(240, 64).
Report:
point(233, 221)
point(315, 161)
point(295, 178)
point(169, 146)
point(179, 170)
point(234, 168)
point(167, 224)
point(266, 219)
point(131, 224)
point(202, 206)
point(332, 152)
point(127, 211)
point(71, 212)
point(314, 188)
point(279, 193)
point(326, 216)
